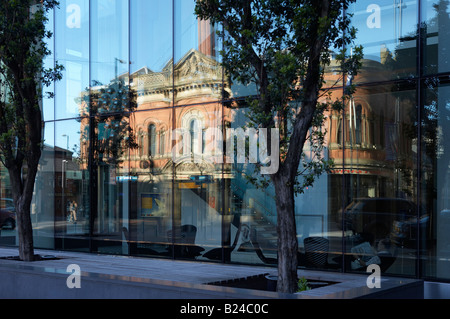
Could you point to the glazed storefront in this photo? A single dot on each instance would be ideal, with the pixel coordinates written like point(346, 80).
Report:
point(134, 161)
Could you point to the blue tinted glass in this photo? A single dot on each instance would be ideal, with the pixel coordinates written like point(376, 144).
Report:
point(71, 51)
point(387, 30)
point(109, 38)
point(151, 52)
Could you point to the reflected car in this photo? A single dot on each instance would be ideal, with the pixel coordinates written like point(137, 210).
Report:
point(8, 204)
point(7, 219)
point(404, 233)
point(376, 216)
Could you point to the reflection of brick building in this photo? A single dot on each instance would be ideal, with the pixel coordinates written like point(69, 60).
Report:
point(368, 142)
point(197, 80)
point(165, 103)
point(174, 108)
point(375, 142)
point(186, 98)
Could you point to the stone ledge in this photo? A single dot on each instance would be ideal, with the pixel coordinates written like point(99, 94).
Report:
point(116, 277)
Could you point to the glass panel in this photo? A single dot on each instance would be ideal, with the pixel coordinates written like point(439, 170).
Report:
point(71, 184)
point(8, 231)
point(71, 51)
point(249, 213)
point(109, 38)
point(150, 216)
point(198, 73)
point(112, 136)
point(380, 178)
point(43, 204)
point(198, 210)
point(48, 103)
point(318, 227)
point(113, 139)
point(388, 32)
point(435, 222)
point(234, 89)
point(435, 24)
point(333, 72)
point(151, 52)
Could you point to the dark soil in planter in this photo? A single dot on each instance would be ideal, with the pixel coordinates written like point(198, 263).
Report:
point(265, 282)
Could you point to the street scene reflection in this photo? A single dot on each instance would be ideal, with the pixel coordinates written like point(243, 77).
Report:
point(135, 160)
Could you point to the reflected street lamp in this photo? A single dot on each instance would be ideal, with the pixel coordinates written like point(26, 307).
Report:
point(63, 182)
point(115, 65)
point(67, 136)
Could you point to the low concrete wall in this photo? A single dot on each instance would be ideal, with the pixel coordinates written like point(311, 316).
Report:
point(436, 290)
point(22, 283)
point(30, 282)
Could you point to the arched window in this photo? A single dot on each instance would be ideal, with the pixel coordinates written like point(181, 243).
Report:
point(339, 137)
point(162, 142)
point(151, 140)
point(194, 134)
point(141, 143)
point(358, 124)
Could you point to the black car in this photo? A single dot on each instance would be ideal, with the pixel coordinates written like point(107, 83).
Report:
point(7, 219)
point(404, 233)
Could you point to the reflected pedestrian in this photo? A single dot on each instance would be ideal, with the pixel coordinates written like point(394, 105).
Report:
point(73, 211)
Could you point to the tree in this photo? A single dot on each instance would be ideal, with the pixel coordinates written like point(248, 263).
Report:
point(109, 108)
point(283, 46)
point(22, 77)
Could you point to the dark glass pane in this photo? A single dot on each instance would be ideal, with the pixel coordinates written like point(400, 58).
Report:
point(434, 221)
point(435, 24)
point(380, 178)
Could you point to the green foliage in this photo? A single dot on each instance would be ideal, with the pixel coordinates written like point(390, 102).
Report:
point(23, 49)
point(303, 285)
point(110, 108)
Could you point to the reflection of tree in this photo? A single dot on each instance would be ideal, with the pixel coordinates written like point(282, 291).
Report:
point(110, 108)
point(435, 111)
point(436, 107)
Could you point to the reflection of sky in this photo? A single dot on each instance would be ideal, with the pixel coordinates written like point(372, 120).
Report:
point(151, 34)
point(148, 34)
point(395, 22)
point(145, 40)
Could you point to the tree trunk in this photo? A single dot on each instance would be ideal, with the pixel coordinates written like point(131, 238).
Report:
point(22, 199)
point(287, 236)
point(25, 232)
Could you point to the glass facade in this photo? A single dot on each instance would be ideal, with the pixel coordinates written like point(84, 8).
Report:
point(137, 157)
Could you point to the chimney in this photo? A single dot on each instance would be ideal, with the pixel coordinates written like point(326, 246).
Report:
point(385, 54)
point(206, 38)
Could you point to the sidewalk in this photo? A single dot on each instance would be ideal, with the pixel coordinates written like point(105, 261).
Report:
point(111, 277)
